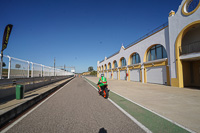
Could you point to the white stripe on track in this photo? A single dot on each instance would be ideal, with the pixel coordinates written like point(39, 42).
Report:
point(127, 114)
point(189, 130)
point(18, 120)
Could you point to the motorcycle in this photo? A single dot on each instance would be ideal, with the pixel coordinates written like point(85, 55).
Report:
point(104, 91)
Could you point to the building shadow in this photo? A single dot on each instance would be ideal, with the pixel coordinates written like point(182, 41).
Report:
point(102, 130)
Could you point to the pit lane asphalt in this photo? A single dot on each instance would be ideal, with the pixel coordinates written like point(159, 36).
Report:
point(76, 108)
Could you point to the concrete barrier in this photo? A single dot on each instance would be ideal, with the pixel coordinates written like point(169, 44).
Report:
point(14, 112)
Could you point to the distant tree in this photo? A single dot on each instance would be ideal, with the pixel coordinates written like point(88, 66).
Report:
point(93, 73)
point(90, 69)
point(4, 64)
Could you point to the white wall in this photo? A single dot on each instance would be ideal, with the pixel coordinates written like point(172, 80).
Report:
point(176, 24)
point(166, 37)
point(161, 37)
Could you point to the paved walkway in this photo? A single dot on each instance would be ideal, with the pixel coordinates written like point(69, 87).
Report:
point(76, 108)
point(180, 105)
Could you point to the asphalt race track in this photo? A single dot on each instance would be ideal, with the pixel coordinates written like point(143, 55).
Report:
point(76, 108)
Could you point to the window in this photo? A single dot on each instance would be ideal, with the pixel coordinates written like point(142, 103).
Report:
point(192, 4)
point(115, 64)
point(156, 52)
point(109, 65)
point(105, 67)
point(135, 58)
point(123, 61)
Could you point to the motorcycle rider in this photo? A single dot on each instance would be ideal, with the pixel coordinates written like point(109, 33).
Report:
point(102, 83)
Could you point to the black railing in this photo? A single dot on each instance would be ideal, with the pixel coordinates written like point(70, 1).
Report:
point(113, 55)
point(143, 37)
point(149, 34)
point(190, 48)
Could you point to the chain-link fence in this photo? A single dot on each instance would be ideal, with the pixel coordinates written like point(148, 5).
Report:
point(17, 68)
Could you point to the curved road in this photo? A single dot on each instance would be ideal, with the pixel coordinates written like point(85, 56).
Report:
point(77, 107)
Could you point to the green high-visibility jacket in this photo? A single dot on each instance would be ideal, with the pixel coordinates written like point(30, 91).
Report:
point(102, 81)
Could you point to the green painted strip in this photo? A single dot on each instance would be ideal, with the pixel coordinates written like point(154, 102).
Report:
point(150, 120)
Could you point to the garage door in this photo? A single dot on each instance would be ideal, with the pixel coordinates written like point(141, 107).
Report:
point(157, 75)
point(123, 75)
point(135, 75)
point(109, 75)
point(115, 74)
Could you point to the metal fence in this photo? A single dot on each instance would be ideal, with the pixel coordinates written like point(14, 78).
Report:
point(17, 68)
point(190, 48)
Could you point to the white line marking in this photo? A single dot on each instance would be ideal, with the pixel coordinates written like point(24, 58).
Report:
point(127, 114)
point(18, 120)
point(189, 130)
point(156, 113)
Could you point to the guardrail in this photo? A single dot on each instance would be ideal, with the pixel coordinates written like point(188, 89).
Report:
point(17, 68)
point(190, 48)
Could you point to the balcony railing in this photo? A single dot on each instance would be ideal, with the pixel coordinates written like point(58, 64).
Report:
point(190, 48)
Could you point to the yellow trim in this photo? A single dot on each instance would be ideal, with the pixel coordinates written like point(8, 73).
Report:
point(118, 75)
point(109, 65)
point(109, 70)
point(168, 76)
point(129, 59)
point(178, 82)
point(174, 82)
point(123, 68)
point(189, 13)
point(172, 13)
point(105, 67)
point(113, 66)
point(129, 78)
point(135, 67)
point(131, 67)
point(145, 76)
point(145, 54)
point(155, 64)
point(120, 61)
point(115, 69)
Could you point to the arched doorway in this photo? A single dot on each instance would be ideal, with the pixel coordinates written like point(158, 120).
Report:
point(189, 54)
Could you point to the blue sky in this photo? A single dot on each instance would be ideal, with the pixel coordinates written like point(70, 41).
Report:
point(78, 32)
